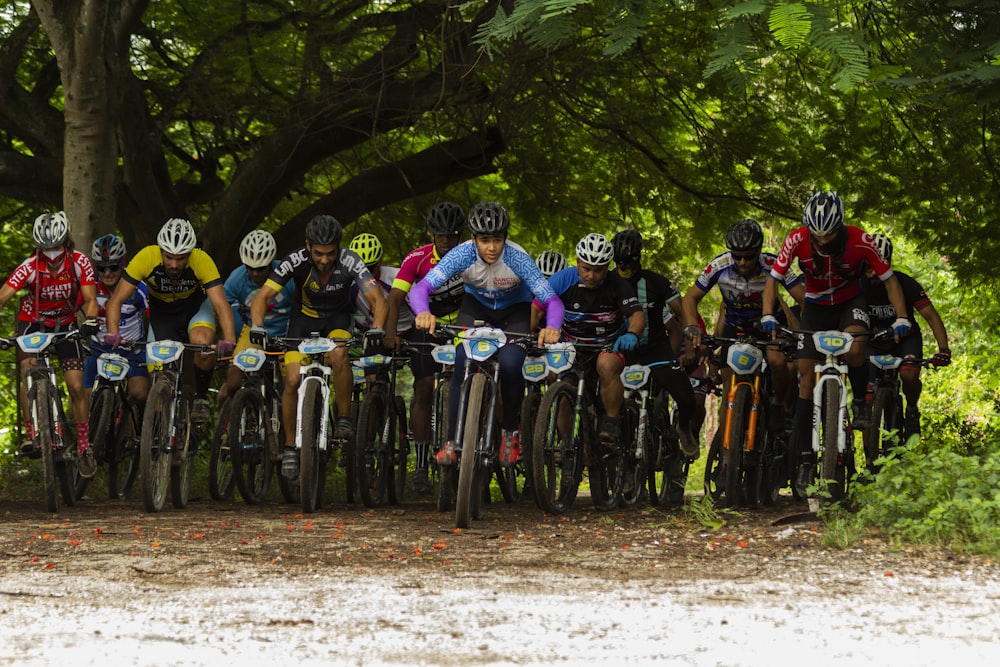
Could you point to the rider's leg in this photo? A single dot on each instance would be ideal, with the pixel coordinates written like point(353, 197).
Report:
point(204, 364)
point(609, 368)
point(289, 400)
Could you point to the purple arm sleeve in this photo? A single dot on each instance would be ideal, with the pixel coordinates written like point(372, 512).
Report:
point(419, 297)
point(554, 311)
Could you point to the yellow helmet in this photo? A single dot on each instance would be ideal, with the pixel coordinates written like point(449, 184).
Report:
point(368, 248)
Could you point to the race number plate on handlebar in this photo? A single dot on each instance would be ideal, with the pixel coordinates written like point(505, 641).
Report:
point(635, 376)
point(444, 354)
point(745, 358)
point(164, 351)
point(832, 342)
point(482, 343)
point(313, 346)
point(534, 369)
point(113, 367)
point(886, 361)
point(559, 356)
point(250, 360)
point(34, 343)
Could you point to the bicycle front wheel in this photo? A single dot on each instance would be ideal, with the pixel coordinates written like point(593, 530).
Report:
point(248, 438)
point(513, 480)
point(123, 459)
point(737, 437)
point(634, 455)
point(45, 439)
point(372, 450)
point(312, 466)
point(832, 464)
point(399, 454)
point(885, 430)
point(556, 460)
point(182, 464)
point(607, 474)
point(221, 477)
point(469, 497)
point(154, 460)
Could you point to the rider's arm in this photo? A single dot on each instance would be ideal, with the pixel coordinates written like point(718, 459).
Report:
point(896, 298)
point(395, 300)
point(536, 315)
point(223, 311)
point(689, 305)
point(113, 308)
point(258, 309)
point(6, 292)
point(380, 308)
point(798, 292)
point(637, 322)
point(770, 297)
point(90, 306)
point(930, 313)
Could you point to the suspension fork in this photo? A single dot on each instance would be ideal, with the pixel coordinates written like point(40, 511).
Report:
point(754, 410)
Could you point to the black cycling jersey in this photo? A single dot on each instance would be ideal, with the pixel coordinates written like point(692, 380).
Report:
point(654, 291)
point(594, 315)
point(321, 301)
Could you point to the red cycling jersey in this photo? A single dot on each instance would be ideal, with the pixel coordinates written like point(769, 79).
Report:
point(831, 280)
point(53, 296)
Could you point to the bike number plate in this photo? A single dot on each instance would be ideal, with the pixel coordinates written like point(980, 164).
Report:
point(744, 358)
point(374, 361)
point(832, 342)
point(482, 343)
point(560, 356)
point(34, 343)
point(164, 351)
point(886, 361)
point(635, 376)
point(534, 369)
point(113, 367)
point(444, 354)
point(313, 346)
point(250, 360)
point(358, 373)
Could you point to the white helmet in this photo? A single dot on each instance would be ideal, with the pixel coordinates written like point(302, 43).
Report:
point(107, 249)
point(51, 230)
point(258, 249)
point(551, 262)
point(595, 249)
point(176, 237)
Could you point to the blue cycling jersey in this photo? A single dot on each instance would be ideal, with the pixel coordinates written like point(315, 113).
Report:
point(240, 293)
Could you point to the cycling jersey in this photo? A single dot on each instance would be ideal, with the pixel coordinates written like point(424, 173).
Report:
point(416, 265)
point(240, 292)
point(133, 310)
point(598, 315)
point(168, 294)
point(742, 296)
point(512, 279)
point(321, 301)
point(881, 310)
point(654, 291)
point(52, 297)
point(363, 316)
point(830, 280)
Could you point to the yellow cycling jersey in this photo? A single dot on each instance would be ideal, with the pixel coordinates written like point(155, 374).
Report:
point(199, 274)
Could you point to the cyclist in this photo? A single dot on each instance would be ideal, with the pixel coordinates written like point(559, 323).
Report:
point(740, 274)
point(882, 315)
point(108, 254)
point(185, 298)
point(832, 256)
point(445, 222)
point(500, 278)
point(323, 272)
point(257, 254)
point(551, 262)
point(658, 296)
point(600, 307)
point(369, 249)
point(57, 278)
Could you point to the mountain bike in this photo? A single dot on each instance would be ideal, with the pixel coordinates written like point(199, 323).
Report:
point(535, 371)
point(115, 425)
point(832, 438)
point(444, 355)
point(885, 431)
point(53, 436)
point(255, 426)
point(314, 416)
point(477, 409)
point(654, 449)
point(749, 463)
point(382, 442)
point(221, 482)
point(166, 451)
point(566, 436)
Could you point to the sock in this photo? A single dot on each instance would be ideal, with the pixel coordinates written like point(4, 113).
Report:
point(82, 434)
point(202, 381)
point(858, 375)
point(802, 427)
point(423, 448)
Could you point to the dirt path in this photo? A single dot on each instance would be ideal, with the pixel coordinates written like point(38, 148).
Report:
point(105, 581)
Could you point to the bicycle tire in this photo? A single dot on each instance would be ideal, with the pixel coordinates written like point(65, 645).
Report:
point(556, 459)
point(102, 415)
point(635, 466)
point(715, 468)
point(45, 436)
point(657, 453)
point(884, 432)
point(774, 468)
point(735, 472)
point(154, 463)
point(832, 465)
point(399, 453)
point(221, 473)
point(182, 459)
point(311, 465)
point(123, 463)
point(249, 435)
point(512, 480)
point(607, 475)
point(372, 451)
point(469, 493)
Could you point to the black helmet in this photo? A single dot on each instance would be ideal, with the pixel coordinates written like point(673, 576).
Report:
point(884, 246)
point(446, 218)
point(628, 245)
point(745, 234)
point(324, 230)
point(488, 218)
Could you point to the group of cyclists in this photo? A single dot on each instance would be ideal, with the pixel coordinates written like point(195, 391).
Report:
point(173, 290)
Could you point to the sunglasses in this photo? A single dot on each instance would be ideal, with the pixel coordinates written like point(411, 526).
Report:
point(109, 267)
point(746, 257)
point(258, 269)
